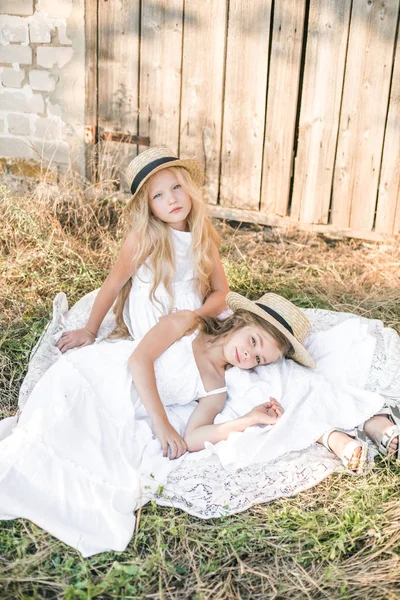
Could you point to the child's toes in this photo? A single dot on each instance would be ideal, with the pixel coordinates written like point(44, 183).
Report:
point(393, 445)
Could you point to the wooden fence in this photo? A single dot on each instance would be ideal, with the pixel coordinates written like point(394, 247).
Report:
point(293, 106)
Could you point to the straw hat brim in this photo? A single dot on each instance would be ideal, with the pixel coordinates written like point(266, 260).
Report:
point(237, 302)
point(191, 165)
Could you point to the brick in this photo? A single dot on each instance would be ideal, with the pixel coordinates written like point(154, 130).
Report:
point(36, 104)
point(47, 128)
point(13, 30)
point(14, 147)
point(18, 124)
point(60, 8)
point(43, 81)
point(54, 110)
point(54, 56)
point(16, 54)
point(12, 77)
point(12, 101)
point(40, 30)
point(53, 152)
point(21, 101)
point(17, 7)
point(62, 35)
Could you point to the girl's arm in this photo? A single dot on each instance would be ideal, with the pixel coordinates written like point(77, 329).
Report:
point(155, 342)
point(215, 302)
point(200, 428)
point(118, 276)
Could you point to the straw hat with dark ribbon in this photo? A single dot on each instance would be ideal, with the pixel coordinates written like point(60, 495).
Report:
point(283, 315)
point(155, 159)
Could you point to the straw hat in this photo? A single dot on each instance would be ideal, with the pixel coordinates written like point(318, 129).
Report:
point(283, 315)
point(155, 159)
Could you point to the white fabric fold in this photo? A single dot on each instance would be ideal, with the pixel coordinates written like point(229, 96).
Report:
point(312, 405)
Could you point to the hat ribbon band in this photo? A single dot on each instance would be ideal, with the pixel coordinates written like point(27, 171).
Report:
point(276, 316)
point(148, 169)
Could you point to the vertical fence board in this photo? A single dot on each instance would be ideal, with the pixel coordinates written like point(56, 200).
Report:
point(244, 103)
point(91, 83)
point(160, 71)
point(202, 87)
point(389, 185)
point(118, 84)
point(201, 71)
point(283, 91)
point(365, 98)
point(320, 107)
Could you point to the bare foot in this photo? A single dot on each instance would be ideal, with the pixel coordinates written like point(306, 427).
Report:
point(337, 442)
point(376, 427)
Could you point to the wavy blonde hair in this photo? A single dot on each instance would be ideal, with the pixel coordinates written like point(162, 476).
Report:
point(154, 240)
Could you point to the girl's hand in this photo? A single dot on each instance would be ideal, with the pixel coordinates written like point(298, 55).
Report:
point(172, 443)
point(75, 339)
point(266, 414)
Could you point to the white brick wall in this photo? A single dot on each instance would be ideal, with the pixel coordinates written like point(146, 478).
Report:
point(14, 147)
point(21, 55)
point(55, 8)
point(24, 100)
point(17, 7)
point(40, 29)
point(19, 124)
point(38, 43)
point(54, 56)
point(63, 36)
point(13, 30)
point(12, 77)
point(48, 128)
point(42, 80)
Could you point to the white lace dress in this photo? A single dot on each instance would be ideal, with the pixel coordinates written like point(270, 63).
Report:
point(83, 456)
point(141, 313)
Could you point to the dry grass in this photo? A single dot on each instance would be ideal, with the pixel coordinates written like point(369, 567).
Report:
point(338, 540)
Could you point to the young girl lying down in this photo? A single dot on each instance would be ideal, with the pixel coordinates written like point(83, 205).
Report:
point(94, 435)
point(314, 405)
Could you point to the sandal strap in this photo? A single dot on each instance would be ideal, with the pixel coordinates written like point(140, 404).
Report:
point(387, 438)
point(325, 439)
point(348, 454)
point(348, 451)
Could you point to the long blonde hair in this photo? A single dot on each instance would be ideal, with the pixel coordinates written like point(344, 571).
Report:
point(154, 239)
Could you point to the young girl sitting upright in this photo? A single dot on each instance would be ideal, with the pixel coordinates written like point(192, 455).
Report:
point(169, 260)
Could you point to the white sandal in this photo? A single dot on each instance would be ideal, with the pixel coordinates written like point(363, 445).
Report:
point(387, 438)
point(348, 452)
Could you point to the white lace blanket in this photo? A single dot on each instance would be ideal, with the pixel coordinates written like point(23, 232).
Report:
point(359, 354)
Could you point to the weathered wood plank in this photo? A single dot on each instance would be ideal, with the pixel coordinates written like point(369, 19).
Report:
point(118, 84)
point(285, 223)
point(364, 107)
point(283, 91)
point(202, 87)
point(160, 71)
point(320, 109)
point(244, 102)
point(388, 207)
point(91, 9)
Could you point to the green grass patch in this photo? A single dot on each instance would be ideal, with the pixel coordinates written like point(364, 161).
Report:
point(340, 539)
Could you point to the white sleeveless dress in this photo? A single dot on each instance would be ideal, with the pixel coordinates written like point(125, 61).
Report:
point(83, 455)
point(140, 313)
